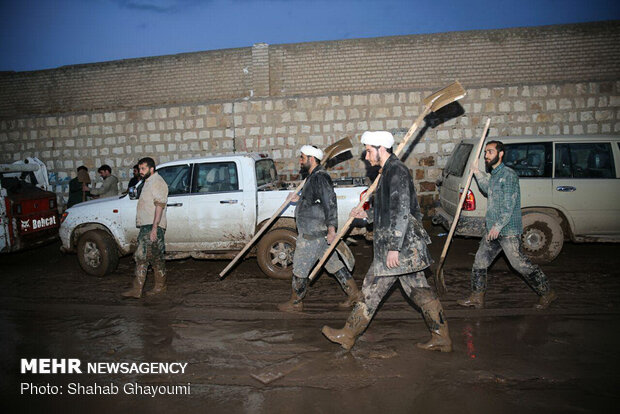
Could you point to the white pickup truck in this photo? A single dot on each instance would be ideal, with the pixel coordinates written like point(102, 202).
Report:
point(215, 206)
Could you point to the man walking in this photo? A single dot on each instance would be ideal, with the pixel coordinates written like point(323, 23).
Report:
point(400, 250)
point(110, 183)
point(151, 219)
point(316, 215)
point(503, 230)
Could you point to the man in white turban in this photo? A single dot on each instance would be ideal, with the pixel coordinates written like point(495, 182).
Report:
point(316, 215)
point(400, 250)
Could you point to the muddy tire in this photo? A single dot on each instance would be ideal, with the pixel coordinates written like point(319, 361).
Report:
point(97, 253)
point(542, 237)
point(274, 253)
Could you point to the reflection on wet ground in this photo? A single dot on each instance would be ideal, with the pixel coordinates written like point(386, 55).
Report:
point(243, 356)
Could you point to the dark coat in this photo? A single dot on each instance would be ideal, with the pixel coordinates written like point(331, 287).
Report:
point(317, 207)
point(397, 222)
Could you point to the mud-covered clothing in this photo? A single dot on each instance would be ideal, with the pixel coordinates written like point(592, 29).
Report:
point(154, 193)
point(308, 252)
point(375, 288)
point(511, 245)
point(504, 200)
point(76, 195)
point(149, 252)
point(397, 223)
point(108, 189)
point(317, 208)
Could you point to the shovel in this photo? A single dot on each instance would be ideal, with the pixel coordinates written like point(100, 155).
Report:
point(432, 103)
point(439, 280)
point(333, 150)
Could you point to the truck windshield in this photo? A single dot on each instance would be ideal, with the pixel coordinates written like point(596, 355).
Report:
point(458, 160)
point(265, 173)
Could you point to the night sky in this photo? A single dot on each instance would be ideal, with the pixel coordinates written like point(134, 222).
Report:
point(43, 34)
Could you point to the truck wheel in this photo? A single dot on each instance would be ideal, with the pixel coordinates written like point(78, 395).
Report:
point(542, 237)
point(97, 253)
point(274, 253)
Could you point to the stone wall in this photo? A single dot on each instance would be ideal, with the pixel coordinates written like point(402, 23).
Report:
point(279, 126)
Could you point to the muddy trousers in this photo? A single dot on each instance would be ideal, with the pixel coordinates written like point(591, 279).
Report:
point(149, 253)
point(414, 284)
point(511, 245)
point(374, 290)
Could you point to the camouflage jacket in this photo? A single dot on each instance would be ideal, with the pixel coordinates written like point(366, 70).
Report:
point(317, 207)
point(397, 222)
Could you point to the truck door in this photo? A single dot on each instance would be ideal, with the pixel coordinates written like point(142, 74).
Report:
point(586, 187)
point(222, 214)
point(178, 178)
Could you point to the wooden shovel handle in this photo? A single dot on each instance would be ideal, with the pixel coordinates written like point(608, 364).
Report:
point(439, 273)
point(260, 232)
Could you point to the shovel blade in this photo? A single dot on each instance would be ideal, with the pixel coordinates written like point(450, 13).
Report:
point(336, 148)
point(443, 97)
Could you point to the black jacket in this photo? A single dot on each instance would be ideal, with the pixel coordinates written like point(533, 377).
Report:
point(397, 221)
point(317, 207)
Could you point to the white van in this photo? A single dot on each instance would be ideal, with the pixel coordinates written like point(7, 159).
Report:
point(570, 190)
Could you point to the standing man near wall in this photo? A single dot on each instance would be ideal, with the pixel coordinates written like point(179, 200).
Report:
point(135, 179)
point(151, 219)
point(504, 228)
point(316, 215)
point(400, 250)
point(76, 187)
point(110, 183)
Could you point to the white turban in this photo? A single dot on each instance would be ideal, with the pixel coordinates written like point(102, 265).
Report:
point(378, 139)
point(312, 151)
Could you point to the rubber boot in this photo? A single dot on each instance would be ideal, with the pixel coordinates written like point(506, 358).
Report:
point(437, 324)
point(138, 282)
point(356, 323)
point(294, 304)
point(350, 288)
point(545, 300)
point(476, 299)
point(160, 283)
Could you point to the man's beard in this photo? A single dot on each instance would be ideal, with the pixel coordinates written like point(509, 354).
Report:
point(489, 164)
point(145, 176)
point(304, 170)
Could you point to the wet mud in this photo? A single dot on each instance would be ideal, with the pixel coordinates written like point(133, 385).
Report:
point(244, 356)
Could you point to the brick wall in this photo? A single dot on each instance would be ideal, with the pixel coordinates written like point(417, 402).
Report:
point(284, 107)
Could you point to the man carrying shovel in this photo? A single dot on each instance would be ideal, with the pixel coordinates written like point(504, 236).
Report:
point(316, 215)
point(400, 250)
point(503, 230)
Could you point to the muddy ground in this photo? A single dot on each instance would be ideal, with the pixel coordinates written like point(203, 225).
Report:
point(507, 358)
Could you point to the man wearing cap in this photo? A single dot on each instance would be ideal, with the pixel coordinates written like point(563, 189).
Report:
point(400, 250)
point(316, 215)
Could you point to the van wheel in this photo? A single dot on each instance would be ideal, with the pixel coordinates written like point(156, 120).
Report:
point(542, 237)
point(274, 253)
point(97, 253)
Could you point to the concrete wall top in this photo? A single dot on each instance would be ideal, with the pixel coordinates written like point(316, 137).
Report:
point(576, 52)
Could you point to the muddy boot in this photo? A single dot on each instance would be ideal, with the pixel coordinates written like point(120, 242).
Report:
point(356, 323)
point(437, 324)
point(350, 288)
point(545, 300)
point(476, 299)
point(138, 282)
point(294, 304)
point(160, 283)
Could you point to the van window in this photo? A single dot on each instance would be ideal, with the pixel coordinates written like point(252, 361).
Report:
point(214, 177)
point(529, 159)
point(458, 160)
point(591, 160)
